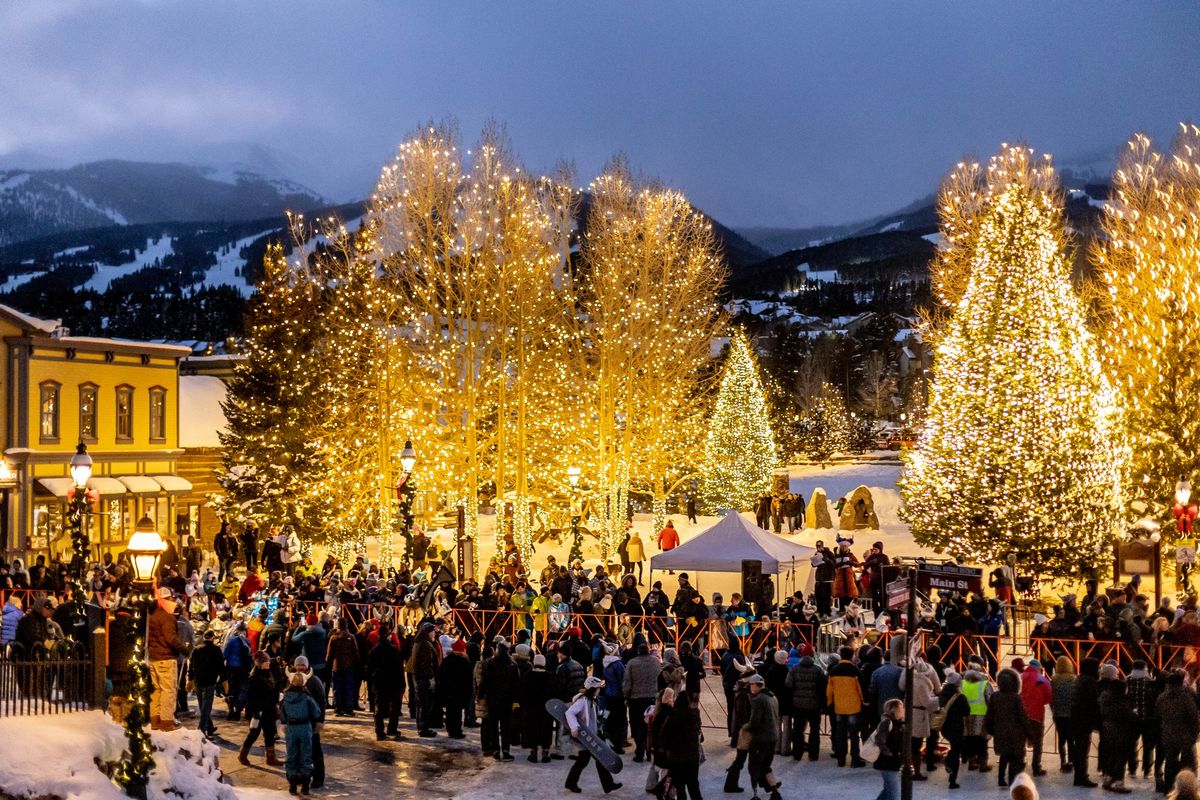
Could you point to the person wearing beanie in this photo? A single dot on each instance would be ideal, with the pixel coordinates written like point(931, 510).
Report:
point(301, 716)
point(454, 684)
point(537, 726)
point(581, 714)
point(1143, 690)
point(955, 710)
point(1062, 687)
point(1118, 729)
point(207, 669)
point(163, 648)
point(1008, 724)
point(805, 684)
point(776, 676)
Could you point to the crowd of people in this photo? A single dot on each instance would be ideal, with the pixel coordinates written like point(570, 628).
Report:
point(288, 646)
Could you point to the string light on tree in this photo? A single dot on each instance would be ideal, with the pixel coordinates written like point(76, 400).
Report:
point(739, 451)
point(1021, 450)
point(1147, 264)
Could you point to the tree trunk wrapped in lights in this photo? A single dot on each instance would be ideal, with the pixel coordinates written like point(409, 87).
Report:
point(1020, 450)
point(1147, 260)
point(739, 451)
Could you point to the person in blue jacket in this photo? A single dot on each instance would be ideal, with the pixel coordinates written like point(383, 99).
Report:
point(299, 712)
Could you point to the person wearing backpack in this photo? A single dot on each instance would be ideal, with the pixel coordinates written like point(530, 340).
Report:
point(954, 712)
point(888, 741)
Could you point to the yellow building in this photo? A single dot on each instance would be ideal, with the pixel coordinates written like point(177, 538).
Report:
point(120, 398)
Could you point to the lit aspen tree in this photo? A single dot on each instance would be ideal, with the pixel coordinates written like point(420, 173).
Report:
point(825, 429)
point(1020, 450)
point(475, 252)
point(1149, 261)
point(739, 450)
point(648, 284)
point(271, 461)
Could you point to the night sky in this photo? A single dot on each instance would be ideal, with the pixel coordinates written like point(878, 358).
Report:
point(764, 113)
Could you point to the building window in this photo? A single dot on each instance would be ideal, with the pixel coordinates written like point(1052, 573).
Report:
point(48, 426)
point(158, 414)
point(87, 412)
point(124, 413)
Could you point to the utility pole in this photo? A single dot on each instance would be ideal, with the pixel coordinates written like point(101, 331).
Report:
point(906, 773)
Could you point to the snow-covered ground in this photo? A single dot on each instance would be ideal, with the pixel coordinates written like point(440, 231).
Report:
point(226, 271)
point(105, 274)
point(56, 756)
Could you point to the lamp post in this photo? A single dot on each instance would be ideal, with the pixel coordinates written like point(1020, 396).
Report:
point(1185, 514)
point(405, 492)
point(145, 551)
point(573, 474)
point(77, 509)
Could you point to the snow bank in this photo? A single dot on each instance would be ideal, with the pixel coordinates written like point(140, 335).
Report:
point(63, 756)
point(200, 416)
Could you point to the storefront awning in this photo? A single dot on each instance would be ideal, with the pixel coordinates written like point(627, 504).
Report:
point(104, 486)
point(140, 484)
point(173, 484)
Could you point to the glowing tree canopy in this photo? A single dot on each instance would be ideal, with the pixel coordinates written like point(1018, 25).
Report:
point(739, 452)
point(1149, 264)
point(825, 429)
point(1020, 449)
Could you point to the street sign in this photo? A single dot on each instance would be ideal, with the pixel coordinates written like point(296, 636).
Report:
point(949, 578)
point(898, 594)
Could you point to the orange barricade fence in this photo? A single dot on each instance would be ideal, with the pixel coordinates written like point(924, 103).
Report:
point(1158, 656)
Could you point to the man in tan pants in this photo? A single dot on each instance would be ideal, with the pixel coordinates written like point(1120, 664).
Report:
point(162, 647)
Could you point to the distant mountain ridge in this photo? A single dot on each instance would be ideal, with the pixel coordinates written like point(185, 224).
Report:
point(35, 203)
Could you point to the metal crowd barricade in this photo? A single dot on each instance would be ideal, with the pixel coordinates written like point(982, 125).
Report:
point(1158, 656)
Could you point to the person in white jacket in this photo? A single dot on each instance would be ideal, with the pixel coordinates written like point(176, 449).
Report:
point(290, 546)
point(581, 715)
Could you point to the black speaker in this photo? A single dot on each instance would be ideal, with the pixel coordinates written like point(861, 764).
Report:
point(752, 581)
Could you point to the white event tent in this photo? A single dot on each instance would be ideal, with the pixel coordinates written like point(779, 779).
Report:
point(724, 546)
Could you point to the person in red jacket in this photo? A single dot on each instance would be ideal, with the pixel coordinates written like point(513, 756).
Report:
point(1036, 693)
point(251, 586)
point(668, 537)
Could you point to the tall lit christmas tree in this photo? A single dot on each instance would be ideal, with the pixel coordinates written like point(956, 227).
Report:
point(1147, 261)
point(1020, 451)
point(739, 451)
point(271, 460)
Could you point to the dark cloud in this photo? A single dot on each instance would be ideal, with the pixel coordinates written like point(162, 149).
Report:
point(764, 113)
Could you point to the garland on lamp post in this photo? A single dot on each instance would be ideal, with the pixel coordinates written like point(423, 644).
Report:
point(145, 552)
point(406, 492)
point(78, 508)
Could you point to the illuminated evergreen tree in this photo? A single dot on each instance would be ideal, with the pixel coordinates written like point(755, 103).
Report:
point(826, 428)
point(1020, 450)
point(1147, 260)
point(271, 460)
point(739, 451)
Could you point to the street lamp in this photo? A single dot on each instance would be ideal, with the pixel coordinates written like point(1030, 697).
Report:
point(573, 474)
point(405, 492)
point(81, 471)
point(145, 551)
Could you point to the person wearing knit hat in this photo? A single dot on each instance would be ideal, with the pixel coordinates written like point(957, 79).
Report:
point(1109, 671)
point(455, 683)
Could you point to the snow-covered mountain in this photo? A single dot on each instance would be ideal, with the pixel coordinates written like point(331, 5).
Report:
point(35, 203)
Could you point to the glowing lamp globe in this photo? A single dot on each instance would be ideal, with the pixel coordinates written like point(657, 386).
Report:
point(573, 474)
point(408, 456)
point(81, 466)
point(1183, 492)
point(145, 550)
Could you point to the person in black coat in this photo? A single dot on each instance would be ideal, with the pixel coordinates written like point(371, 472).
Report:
point(1118, 733)
point(498, 684)
point(681, 741)
point(226, 546)
point(207, 669)
point(385, 670)
point(454, 683)
point(537, 686)
point(1085, 717)
point(954, 724)
point(1008, 723)
point(250, 546)
point(262, 707)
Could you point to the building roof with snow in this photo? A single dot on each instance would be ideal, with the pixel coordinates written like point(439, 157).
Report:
point(201, 418)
